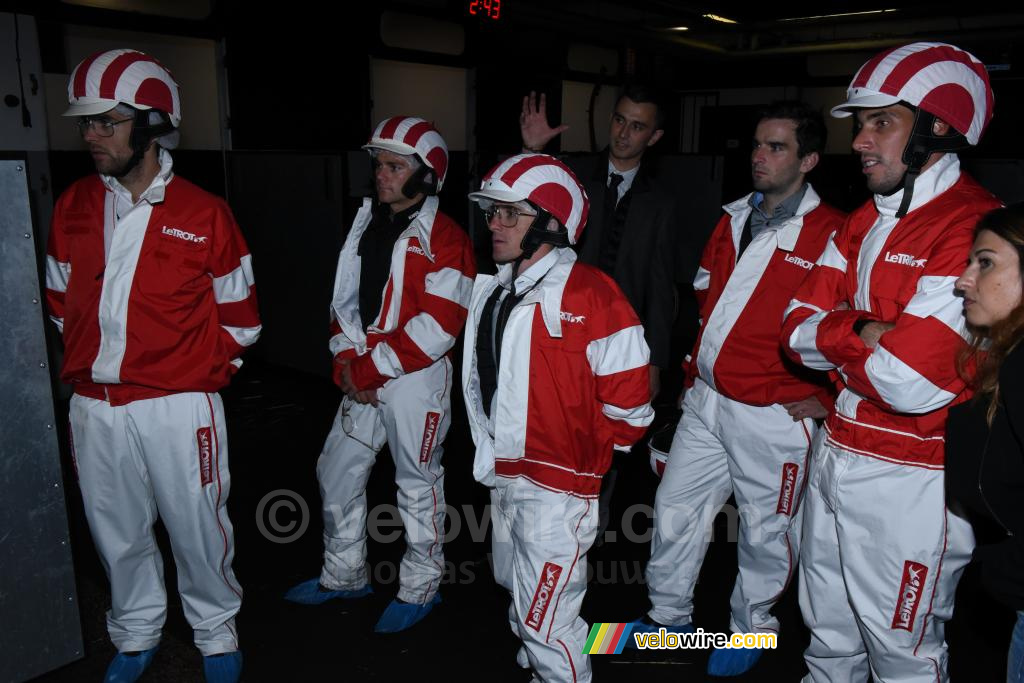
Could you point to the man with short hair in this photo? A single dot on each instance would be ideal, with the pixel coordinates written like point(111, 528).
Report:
point(400, 295)
point(151, 284)
point(633, 229)
point(555, 377)
point(748, 413)
point(881, 554)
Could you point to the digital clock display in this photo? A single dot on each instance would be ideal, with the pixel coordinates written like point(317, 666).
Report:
point(486, 9)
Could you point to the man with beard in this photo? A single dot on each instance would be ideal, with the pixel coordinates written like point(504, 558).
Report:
point(880, 308)
point(151, 284)
point(748, 413)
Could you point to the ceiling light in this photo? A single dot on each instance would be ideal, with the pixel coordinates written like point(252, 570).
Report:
point(715, 17)
point(844, 14)
point(678, 28)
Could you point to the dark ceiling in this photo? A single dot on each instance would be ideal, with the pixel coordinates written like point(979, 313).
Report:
point(779, 28)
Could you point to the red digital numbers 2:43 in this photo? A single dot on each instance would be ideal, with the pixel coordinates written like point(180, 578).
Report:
point(487, 8)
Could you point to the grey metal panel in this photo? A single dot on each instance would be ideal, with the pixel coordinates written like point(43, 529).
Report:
point(38, 605)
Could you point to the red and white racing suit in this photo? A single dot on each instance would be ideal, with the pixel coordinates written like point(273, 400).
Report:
point(572, 385)
point(881, 553)
point(156, 302)
point(403, 354)
point(735, 437)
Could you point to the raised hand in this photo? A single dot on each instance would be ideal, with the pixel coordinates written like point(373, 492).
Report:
point(533, 123)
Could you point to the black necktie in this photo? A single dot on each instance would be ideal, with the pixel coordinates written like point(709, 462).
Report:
point(611, 195)
point(488, 356)
point(745, 237)
point(610, 236)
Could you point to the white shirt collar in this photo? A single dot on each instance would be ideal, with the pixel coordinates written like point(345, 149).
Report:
point(529, 278)
point(627, 177)
point(939, 177)
point(154, 194)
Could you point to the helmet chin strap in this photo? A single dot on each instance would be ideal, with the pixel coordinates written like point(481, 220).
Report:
point(423, 179)
point(143, 134)
point(922, 144)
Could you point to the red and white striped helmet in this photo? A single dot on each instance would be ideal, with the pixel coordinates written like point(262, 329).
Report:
point(408, 136)
point(104, 79)
point(942, 79)
point(542, 180)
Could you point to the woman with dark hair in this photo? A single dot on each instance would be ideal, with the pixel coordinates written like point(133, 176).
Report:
point(985, 436)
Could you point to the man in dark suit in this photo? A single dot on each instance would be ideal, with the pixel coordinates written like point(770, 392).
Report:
point(631, 233)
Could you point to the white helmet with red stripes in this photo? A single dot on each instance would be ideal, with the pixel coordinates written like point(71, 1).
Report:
point(412, 136)
point(545, 182)
point(941, 79)
point(103, 80)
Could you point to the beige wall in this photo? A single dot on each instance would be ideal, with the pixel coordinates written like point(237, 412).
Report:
point(193, 61)
point(575, 112)
point(434, 93)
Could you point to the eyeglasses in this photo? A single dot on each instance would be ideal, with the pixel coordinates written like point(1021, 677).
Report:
point(508, 216)
point(102, 127)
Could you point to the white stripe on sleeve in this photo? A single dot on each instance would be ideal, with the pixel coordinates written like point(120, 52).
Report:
point(450, 284)
point(57, 274)
point(428, 335)
point(902, 387)
point(804, 340)
point(235, 285)
point(618, 352)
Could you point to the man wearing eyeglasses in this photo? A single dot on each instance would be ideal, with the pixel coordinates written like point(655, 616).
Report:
point(400, 295)
point(555, 377)
point(150, 281)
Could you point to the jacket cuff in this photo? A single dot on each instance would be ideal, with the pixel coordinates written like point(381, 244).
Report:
point(365, 375)
point(836, 339)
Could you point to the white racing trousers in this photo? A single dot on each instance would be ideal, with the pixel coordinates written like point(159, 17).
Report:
point(880, 562)
point(412, 418)
point(540, 539)
point(724, 447)
point(164, 456)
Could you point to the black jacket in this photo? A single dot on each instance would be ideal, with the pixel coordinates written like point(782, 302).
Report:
point(646, 259)
point(985, 477)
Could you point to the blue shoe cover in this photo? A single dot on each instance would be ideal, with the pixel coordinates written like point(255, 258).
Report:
point(648, 625)
point(127, 668)
point(401, 615)
point(310, 593)
point(223, 668)
point(733, 662)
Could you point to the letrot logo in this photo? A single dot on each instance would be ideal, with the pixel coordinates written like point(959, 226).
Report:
point(789, 472)
point(203, 439)
point(542, 597)
point(183, 235)
point(796, 260)
point(416, 250)
point(905, 260)
point(914, 575)
point(429, 433)
point(572, 318)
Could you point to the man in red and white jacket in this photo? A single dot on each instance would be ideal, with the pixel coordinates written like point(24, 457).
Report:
point(400, 294)
point(555, 376)
point(881, 554)
point(151, 284)
point(748, 413)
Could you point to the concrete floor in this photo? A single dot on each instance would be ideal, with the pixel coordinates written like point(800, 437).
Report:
point(277, 421)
